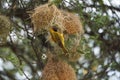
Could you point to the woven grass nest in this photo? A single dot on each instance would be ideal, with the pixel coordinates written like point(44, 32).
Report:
point(57, 69)
point(72, 23)
point(46, 15)
point(5, 28)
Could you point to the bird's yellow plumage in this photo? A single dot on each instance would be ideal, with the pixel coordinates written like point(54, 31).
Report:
point(58, 38)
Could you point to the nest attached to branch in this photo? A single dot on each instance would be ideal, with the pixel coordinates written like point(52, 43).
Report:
point(72, 23)
point(5, 28)
point(74, 29)
point(46, 16)
point(57, 69)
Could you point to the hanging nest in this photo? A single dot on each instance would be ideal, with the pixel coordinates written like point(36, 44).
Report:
point(72, 23)
point(5, 28)
point(46, 16)
point(57, 69)
point(74, 30)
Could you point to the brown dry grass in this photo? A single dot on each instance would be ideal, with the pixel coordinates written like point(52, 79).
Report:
point(46, 16)
point(72, 23)
point(57, 69)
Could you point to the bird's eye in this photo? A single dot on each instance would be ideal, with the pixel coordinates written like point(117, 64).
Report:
point(55, 29)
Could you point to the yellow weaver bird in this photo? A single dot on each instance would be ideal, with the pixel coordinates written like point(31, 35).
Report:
point(58, 38)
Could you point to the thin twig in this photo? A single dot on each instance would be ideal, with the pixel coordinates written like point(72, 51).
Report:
point(25, 74)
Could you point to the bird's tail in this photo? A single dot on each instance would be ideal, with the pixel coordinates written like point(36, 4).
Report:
point(64, 49)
